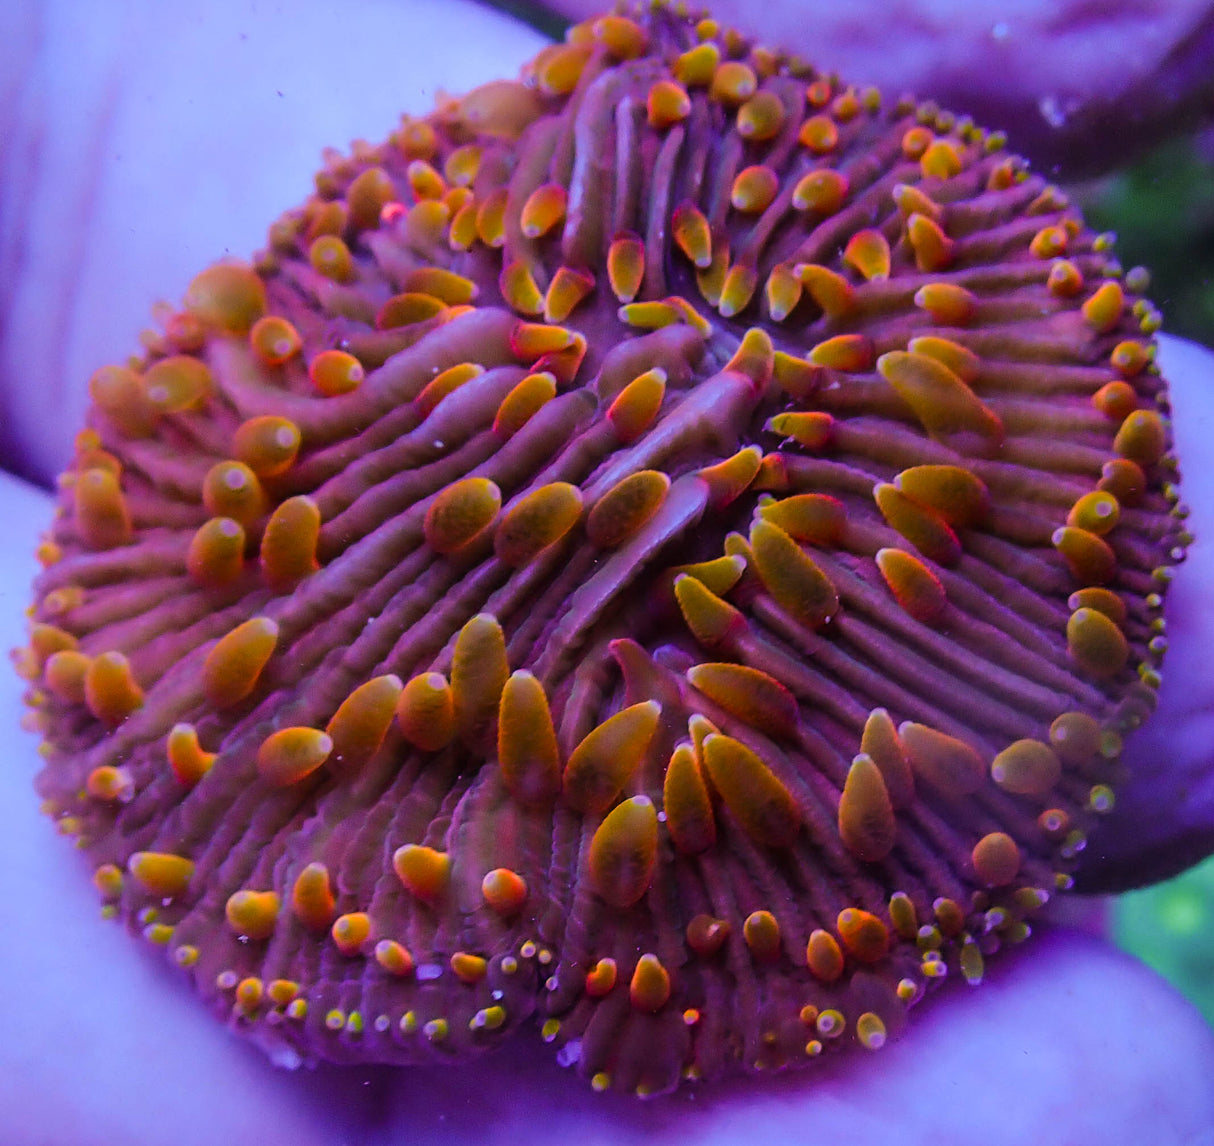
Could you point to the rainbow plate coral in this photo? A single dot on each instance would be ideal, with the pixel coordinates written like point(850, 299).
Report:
point(664, 550)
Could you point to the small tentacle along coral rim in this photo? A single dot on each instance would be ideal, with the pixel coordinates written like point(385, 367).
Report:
point(665, 549)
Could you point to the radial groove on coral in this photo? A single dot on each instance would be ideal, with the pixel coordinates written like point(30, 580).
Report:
point(668, 546)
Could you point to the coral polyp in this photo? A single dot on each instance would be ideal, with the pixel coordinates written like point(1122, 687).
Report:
point(663, 551)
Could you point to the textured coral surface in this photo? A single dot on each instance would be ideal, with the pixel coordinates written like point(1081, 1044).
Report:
point(665, 550)
point(1082, 85)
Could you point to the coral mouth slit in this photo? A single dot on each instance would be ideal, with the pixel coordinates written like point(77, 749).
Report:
point(664, 550)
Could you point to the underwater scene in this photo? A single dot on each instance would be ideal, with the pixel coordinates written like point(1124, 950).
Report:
point(626, 573)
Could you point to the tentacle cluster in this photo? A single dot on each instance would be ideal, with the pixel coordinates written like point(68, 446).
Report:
point(667, 547)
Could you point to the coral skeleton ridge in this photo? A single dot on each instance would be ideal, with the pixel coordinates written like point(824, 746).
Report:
point(663, 551)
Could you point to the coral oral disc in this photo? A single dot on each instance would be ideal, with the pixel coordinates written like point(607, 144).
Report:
point(671, 544)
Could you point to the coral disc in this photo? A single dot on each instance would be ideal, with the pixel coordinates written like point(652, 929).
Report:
point(664, 550)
